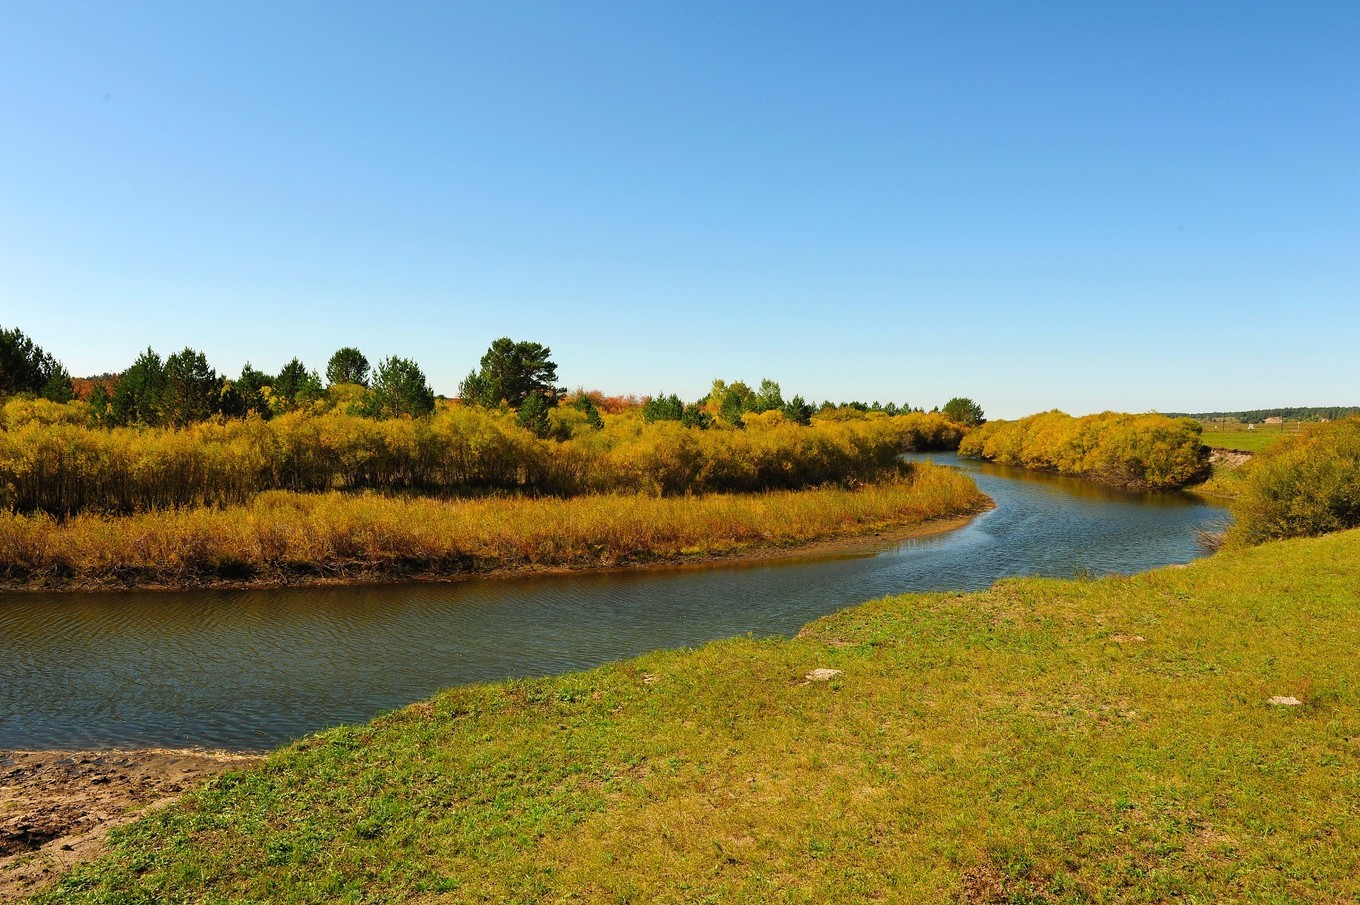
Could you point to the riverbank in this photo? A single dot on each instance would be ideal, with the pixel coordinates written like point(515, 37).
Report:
point(1184, 733)
point(57, 806)
point(296, 539)
point(1225, 480)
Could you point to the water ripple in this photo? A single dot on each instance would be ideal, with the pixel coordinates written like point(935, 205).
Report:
point(250, 669)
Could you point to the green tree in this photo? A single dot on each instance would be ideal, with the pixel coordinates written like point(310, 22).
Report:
point(766, 398)
point(587, 406)
point(136, 397)
point(190, 390)
point(58, 387)
point(798, 411)
point(533, 414)
point(964, 410)
point(100, 404)
point(693, 415)
point(663, 408)
point(511, 372)
point(731, 401)
point(249, 389)
point(26, 368)
point(400, 388)
point(296, 386)
point(347, 365)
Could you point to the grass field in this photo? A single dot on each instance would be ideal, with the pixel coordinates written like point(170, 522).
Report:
point(1043, 741)
point(1244, 440)
point(1238, 437)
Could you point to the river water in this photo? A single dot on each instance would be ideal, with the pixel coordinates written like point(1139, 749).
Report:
point(249, 669)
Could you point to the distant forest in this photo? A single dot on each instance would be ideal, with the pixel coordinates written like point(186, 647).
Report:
point(184, 389)
point(1256, 416)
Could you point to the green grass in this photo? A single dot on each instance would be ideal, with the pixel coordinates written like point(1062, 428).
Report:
point(1246, 441)
point(1043, 741)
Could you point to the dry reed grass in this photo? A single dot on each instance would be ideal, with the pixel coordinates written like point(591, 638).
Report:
point(283, 536)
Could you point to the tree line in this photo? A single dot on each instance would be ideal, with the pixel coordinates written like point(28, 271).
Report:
point(519, 376)
point(1256, 416)
point(730, 404)
point(183, 389)
point(27, 368)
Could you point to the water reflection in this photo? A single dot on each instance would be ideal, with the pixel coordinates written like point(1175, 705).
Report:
point(249, 669)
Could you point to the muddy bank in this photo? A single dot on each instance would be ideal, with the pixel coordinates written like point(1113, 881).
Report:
point(56, 806)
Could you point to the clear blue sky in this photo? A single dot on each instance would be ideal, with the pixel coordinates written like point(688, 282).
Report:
point(1078, 205)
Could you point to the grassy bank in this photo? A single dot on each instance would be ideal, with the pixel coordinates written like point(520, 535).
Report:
point(1224, 484)
point(1054, 741)
point(290, 537)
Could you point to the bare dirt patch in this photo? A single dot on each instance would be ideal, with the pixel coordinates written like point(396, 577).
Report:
point(56, 806)
point(1228, 458)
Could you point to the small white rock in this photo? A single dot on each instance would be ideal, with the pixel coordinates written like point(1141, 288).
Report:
point(823, 674)
point(1285, 701)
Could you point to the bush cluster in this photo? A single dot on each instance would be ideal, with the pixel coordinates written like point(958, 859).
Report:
point(1306, 484)
point(52, 461)
point(1151, 452)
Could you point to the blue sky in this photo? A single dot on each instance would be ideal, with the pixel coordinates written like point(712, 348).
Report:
point(1074, 205)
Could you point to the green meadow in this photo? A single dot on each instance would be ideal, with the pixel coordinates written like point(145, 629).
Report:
point(1242, 440)
point(1106, 740)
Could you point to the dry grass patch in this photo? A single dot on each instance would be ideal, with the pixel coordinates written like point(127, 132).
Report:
point(290, 537)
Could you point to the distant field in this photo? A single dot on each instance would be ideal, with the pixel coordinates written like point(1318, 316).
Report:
point(1245, 440)
point(1228, 434)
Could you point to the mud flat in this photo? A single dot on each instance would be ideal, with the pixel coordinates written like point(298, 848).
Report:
point(57, 806)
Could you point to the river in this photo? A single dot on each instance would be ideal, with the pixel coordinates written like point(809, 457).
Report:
point(247, 670)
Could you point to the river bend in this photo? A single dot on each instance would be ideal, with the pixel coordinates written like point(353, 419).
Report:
point(250, 669)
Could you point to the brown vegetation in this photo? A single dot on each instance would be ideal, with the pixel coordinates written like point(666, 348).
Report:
point(290, 537)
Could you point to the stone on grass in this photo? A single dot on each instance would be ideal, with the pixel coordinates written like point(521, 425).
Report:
point(1280, 700)
point(823, 674)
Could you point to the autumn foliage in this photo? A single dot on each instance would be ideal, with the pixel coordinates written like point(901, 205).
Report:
point(1306, 484)
point(52, 460)
point(1151, 452)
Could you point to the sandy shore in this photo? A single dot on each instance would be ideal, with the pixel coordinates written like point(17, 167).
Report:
point(56, 806)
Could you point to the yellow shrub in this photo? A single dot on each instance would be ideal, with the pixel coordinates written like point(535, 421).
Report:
point(1142, 451)
point(1303, 485)
point(50, 461)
